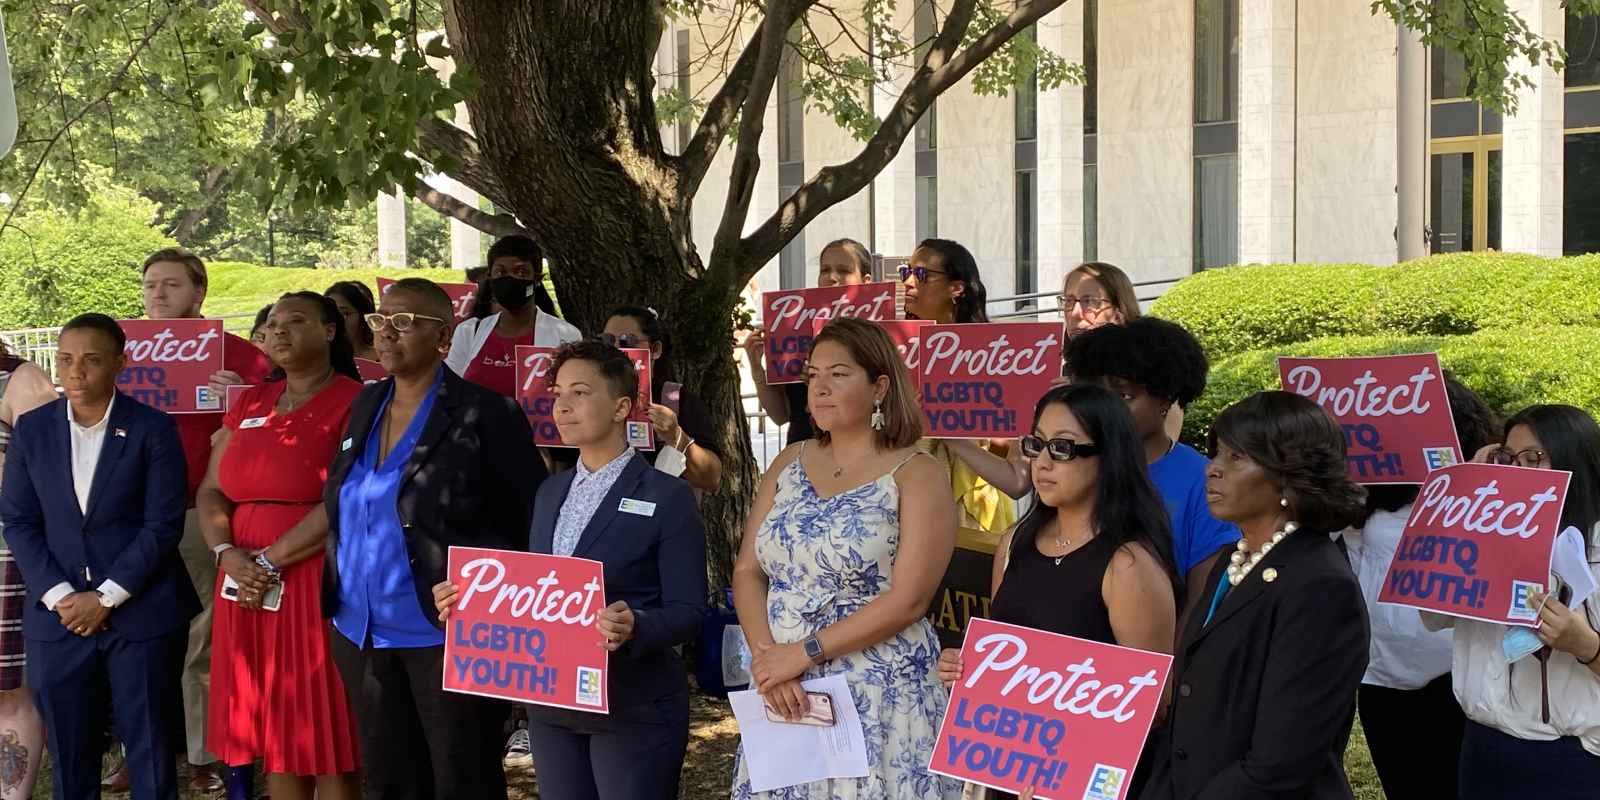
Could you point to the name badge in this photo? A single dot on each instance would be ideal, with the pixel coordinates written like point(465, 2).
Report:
point(640, 507)
point(345, 445)
point(253, 422)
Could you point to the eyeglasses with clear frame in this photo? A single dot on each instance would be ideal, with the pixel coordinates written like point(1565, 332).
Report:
point(1091, 304)
point(400, 320)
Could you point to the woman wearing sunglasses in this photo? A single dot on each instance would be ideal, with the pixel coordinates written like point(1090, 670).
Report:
point(1093, 557)
point(1533, 725)
point(429, 461)
point(1269, 662)
point(686, 441)
point(842, 262)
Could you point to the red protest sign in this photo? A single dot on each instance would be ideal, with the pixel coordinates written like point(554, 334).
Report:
point(1393, 409)
point(533, 394)
point(462, 295)
point(1064, 715)
point(169, 364)
point(524, 629)
point(981, 381)
point(906, 334)
point(1479, 538)
point(787, 319)
point(370, 371)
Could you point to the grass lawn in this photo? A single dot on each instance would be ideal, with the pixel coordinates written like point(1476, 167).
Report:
point(239, 289)
point(714, 738)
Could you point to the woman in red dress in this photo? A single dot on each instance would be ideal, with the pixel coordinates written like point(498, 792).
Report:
point(275, 694)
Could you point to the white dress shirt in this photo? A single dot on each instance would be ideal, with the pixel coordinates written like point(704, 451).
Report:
point(1404, 654)
point(87, 442)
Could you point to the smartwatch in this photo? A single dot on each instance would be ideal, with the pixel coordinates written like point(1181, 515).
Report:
point(814, 650)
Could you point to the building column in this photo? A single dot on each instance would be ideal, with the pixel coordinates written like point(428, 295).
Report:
point(1266, 131)
point(1531, 183)
point(1061, 233)
point(466, 242)
point(391, 231)
point(1411, 141)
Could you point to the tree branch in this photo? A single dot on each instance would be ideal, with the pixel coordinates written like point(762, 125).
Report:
point(752, 117)
point(492, 224)
point(68, 122)
point(721, 111)
point(831, 185)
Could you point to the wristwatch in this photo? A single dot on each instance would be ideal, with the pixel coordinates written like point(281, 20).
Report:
point(814, 650)
point(216, 553)
point(105, 602)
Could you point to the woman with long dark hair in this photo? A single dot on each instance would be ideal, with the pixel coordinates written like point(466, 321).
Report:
point(355, 302)
point(1269, 662)
point(943, 284)
point(1533, 725)
point(1093, 557)
point(274, 692)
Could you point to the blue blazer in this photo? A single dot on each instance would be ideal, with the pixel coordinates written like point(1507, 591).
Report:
point(130, 533)
point(657, 564)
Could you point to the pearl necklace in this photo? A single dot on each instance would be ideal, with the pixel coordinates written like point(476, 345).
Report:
point(1242, 560)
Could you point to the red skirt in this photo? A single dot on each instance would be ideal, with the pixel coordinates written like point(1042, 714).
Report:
point(275, 693)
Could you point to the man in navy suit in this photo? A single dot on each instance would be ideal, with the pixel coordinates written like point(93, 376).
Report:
point(93, 504)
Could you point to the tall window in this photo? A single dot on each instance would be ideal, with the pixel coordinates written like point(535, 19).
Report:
point(926, 26)
point(1216, 133)
point(1580, 216)
point(1091, 121)
point(791, 161)
point(683, 87)
point(1463, 161)
point(1026, 160)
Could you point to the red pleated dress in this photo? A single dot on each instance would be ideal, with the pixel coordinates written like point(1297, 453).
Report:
point(275, 693)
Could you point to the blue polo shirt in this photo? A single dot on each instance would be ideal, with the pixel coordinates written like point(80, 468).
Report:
point(377, 590)
point(1180, 477)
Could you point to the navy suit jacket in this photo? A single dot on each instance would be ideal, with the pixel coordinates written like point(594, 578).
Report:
point(657, 564)
point(130, 533)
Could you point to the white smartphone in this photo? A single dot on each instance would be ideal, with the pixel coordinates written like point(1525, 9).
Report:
point(271, 601)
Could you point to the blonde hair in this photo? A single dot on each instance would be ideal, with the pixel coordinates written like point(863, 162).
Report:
point(871, 348)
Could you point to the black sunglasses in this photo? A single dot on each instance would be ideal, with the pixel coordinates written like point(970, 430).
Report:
point(1059, 449)
point(626, 341)
point(920, 273)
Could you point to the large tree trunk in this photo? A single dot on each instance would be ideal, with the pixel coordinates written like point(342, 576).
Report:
point(584, 170)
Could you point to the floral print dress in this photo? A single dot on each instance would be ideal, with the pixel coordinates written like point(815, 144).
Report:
point(826, 558)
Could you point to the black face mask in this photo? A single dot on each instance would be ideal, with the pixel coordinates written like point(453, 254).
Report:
point(511, 292)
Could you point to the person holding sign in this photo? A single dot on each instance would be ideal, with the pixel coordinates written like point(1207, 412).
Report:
point(274, 693)
point(844, 549)
point(642, 525)
point(92, 503)
point(174, 285)
point(1533, 724)
point(484, 350)
point(842, 262)
point(1269, 662)
point(1092, 559)
point(429, 460)
point(685, 436)
point(1407, 684)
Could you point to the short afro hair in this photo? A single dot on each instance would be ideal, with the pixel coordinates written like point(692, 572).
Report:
point(1158, 355)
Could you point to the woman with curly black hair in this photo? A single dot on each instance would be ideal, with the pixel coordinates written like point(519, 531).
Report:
point(1268, 664)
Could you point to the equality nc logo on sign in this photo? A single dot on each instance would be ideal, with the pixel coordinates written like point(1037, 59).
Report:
point(169, 362)
point(1394, 411)
point(1479, 538)
point(1066, 716)
point(462, 296)
point(789, 321)
point(981, 381)
point(524, 629)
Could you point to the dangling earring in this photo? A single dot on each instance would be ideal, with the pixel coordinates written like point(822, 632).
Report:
point(1283, 501)
point(877, 415)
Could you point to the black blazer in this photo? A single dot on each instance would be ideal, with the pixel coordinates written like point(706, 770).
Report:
point(657, 564)
point(130, 533)
point(1265, 695)
point(470, 481)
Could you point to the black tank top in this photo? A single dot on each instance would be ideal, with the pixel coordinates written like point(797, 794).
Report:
point(1060, 598)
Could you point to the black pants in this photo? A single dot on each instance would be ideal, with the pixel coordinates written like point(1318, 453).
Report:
point(419, 742)
point(78, 681)
point(1415, 738)
point(636, 756)
point(1495, 765)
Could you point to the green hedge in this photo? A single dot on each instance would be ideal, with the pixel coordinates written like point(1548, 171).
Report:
point(1510, 369)
point(1240, 309)
point(55, 265)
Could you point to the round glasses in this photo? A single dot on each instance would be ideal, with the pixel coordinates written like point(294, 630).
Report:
point(401, 321)
point(1059, 449)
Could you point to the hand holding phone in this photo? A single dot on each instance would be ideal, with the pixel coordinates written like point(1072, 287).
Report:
point(820, 713)
point(271, 600)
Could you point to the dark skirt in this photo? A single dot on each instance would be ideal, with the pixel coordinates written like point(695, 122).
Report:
point(1495, 766)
